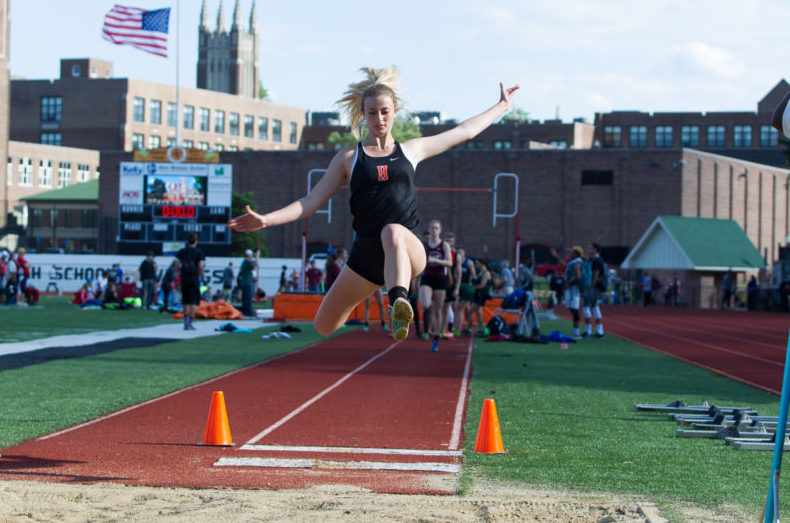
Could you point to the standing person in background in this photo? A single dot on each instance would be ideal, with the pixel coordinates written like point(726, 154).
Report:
point(192, 261)
point(314, 277)
point(148, 279)
point(483, 285)
point(381, 175)
point(3, 268)
point(647, 290)
point(22, 273)
point(466, 293)
point(506, 276)
point(246, 282)
point(227, 281)
point(598, 287)
point(334, 264)
point(453, 285)
point(573, 294)
point(366, 314)
point(168, 284)
point(434, 280)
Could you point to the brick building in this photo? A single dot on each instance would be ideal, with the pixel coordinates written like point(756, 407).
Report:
point(106, 113)
point(566, 197)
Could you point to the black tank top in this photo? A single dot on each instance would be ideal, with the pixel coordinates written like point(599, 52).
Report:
point(382, 192)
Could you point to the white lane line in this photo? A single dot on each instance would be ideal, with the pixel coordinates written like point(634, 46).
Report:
point(179, 391)
point(352, 450)
point(455, 438)
point(336, 465)
point(265, 432)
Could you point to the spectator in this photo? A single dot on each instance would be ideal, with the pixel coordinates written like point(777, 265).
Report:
point(647, 290)
point(168, 285)
point(482, 293)
point(3, 268)
point(598, 288)
point(294, 280)
point(726, 291)
point(31, 295)
point(283, 280)
point(227, 281)
point(246, 283)
point(100, 284)
point(506, 277)
point(334, 264)
point(751, 294)
point(11, 289)
point(191, 261)
point(128, 288)
point(148, 279)
point(118, 272)
point(82, 295)
point(573, 275)
point(314, 277)
point(466, 293)
point(526, 274)
point(22, 271)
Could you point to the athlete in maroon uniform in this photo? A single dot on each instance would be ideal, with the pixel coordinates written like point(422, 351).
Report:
point(380, 173)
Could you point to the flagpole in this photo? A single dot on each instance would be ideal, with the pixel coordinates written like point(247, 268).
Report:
point(178, 74)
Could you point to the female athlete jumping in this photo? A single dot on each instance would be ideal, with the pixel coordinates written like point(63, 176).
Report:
point(380, 172)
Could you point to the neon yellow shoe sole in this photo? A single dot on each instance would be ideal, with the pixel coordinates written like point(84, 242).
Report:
point(400, 316)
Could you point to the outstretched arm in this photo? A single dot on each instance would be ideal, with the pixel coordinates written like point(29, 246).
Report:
point(419, 149)
point(335, 175)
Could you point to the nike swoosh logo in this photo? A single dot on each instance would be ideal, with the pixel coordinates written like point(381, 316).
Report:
point(393, 159)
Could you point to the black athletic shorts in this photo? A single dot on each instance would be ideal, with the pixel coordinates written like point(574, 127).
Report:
point(367, 258)
point(437, 282)
point(190, 291)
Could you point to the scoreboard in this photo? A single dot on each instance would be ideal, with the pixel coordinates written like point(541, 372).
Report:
point(162, 202)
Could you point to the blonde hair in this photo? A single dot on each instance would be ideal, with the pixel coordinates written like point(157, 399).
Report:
point(376, 82)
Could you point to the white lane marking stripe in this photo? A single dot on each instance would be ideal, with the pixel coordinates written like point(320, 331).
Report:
point(179, 391)
point(330, 465)
point(455, 438)
point(352, 450)
point(265, 432)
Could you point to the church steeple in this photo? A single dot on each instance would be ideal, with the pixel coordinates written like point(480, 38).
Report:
point(237, 23)
point(253, 19)
point(203, 17)
point(220, 19)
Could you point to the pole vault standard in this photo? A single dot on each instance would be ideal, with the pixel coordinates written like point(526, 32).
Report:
point(494, 190)
point(771, 511)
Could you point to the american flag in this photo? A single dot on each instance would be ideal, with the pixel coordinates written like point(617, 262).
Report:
point(145, 30)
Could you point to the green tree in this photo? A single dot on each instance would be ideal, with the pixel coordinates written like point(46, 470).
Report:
point(402, 130)
point(241, 241)
point(517, 115)
point(263, 93)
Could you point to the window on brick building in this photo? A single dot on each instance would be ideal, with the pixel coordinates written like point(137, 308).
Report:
point(249, 126)
point(292, 133)
point(138, 141)
point(203, 119)
point(154, 141)
point(474, 144)
point(90, 218)
point(219, 122)
point(64, 174)
point(612, 136)
point(219, 147)
point(45, 173)
point(189, 117)
point(170, 142)
point(203, 146)
point(233, 124)
point(597, 177)
point(560, 144)
point(9, 172)
point(155, 112)
point(663, 136)
point(769, 137)
point(263, 128)
point(51, 138)
point(189, 144)
point(25, 172)
point(172, 114)
point(689, 136)
point(742, 136)
point(232, 148)
point(315, 146)
point(138, 109)
point(36, 221)
point(502, 144)
point(715, 136)
point(51, 108)
point(637, 136)
point(277, 130)
point(83, 172)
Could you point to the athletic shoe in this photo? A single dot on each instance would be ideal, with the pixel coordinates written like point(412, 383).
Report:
point(435, 345)
point(400, 315)
point(599, 335)
point(191, 327)
point(365, 327)
point(586, 335)
point(576, 336)
point(384, 327)
point(448, 335)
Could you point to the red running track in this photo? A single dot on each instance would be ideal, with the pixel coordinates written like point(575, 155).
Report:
point(310, 417)
point(746, 346)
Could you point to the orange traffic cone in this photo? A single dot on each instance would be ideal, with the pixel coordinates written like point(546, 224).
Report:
point(489, 439)
point(217, 428)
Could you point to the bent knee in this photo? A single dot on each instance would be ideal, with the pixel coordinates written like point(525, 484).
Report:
point(393, 234)
point(324, 328)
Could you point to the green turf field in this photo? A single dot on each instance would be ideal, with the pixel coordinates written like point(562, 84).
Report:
point(567, 416)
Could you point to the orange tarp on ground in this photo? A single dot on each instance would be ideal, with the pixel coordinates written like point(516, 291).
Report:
point(215, 310)
point(298, 306)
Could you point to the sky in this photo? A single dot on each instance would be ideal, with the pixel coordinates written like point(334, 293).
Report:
point(571, 58)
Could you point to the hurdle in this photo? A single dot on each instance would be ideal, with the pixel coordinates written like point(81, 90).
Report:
point(780, 444)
